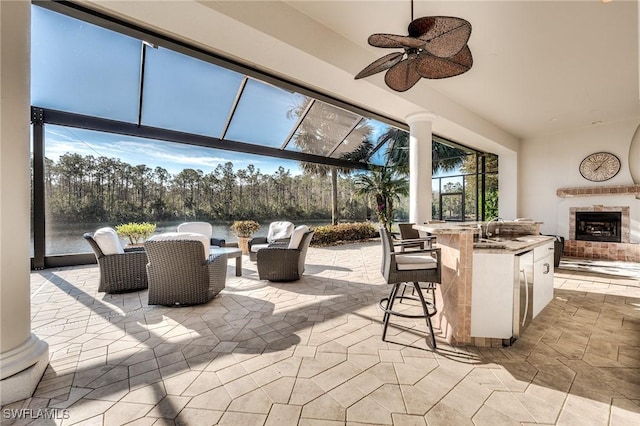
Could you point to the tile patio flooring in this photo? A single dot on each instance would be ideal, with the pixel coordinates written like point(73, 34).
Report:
point(310, 353)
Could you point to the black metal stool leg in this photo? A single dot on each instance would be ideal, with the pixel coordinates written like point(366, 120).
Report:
point(387, 312)
point(432, 289)
point(402, 294)
point(427, 315)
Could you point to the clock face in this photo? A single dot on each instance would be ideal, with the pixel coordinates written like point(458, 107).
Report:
point(600, 166)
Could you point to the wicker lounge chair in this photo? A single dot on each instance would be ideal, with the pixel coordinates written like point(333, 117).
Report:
point(285, 263)
point(180, 270)
point(278, 234)
point(203, 228)
point(121, 269)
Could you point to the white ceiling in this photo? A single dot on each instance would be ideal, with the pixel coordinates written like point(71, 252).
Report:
point(539, 66)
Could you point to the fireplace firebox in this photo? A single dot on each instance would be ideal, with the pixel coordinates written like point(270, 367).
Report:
point(599, 226)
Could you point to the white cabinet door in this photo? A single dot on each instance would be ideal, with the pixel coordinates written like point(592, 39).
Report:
point(492, 295)
point(542, 283)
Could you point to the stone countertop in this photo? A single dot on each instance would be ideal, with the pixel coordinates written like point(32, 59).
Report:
point(514, 245)
point(449, 228)
point(514, 242)
point(467, 227)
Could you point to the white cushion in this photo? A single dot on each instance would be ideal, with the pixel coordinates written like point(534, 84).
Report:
point(256, 247)
point(108, 241)
point(203, 228)
point(184, 236)
point(279, 230)
point(410, 262)
point(296, 236)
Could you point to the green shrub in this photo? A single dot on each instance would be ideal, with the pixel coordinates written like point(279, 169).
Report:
point(344, 232)
point(136, 232)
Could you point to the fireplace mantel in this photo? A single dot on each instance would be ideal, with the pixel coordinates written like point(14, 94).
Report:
point(595, 191)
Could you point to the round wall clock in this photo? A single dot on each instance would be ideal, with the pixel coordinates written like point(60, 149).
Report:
point(600, 166)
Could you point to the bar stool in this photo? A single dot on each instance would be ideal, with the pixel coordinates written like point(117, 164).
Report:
point(408, 269)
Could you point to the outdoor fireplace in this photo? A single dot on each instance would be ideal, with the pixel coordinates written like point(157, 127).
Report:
point(599, 226)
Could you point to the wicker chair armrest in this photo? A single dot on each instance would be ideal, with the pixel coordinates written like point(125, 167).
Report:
point(123, 272)
point(217, 267)
point(127, 257)
point(278, 255)
point(257, 240)
point(133, 249)
point(218, 242)
point(284, 243)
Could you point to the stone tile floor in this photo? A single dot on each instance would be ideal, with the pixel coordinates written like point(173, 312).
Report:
point(310, 353)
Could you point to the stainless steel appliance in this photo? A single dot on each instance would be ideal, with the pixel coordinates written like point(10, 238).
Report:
point(522, 294)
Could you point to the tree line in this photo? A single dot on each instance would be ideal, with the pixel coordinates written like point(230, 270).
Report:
point(102, 189)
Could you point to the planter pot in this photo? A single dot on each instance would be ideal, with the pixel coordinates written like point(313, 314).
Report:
point(243, 243)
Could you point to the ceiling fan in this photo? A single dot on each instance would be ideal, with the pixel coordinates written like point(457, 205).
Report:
point(436, 47)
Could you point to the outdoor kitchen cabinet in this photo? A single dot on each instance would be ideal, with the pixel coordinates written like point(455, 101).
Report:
point(542, 276)
point(492, 289)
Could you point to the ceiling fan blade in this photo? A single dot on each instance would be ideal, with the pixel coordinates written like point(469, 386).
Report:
point(402, 76)
point(433, 67)
point(394, 41)
point(444, 36)
point(381, 64)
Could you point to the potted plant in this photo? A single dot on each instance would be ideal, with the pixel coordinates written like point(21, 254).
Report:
point(136, 232)
point(244, 229)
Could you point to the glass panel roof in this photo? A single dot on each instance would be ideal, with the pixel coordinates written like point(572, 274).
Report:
point(96, 72)
point(265, 114)
point(322, 129)
point(187, 94)
point(89, 70)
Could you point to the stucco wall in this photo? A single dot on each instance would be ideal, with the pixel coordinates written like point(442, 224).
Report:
point(550, 162)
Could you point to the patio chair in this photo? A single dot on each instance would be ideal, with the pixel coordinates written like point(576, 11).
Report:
point(181, 271)
point(285, 263)
point(121, 269)
point(408, 269)
point(278, 234)
point(410, 239)
point(203, 228)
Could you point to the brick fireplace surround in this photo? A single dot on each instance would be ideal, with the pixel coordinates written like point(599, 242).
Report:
point(623, 251)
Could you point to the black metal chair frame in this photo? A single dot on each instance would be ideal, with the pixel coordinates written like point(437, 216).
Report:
point(405, 278)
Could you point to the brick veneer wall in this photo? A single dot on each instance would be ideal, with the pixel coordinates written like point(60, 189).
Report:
point(603, 251)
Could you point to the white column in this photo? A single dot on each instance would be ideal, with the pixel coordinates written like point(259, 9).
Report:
point(23, 357)
point(420, 145)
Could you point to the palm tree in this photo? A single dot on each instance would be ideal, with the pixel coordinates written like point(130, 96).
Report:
point(444, 157)
point(387, 186)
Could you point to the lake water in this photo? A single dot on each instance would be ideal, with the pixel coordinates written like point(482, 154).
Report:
point(69, 240)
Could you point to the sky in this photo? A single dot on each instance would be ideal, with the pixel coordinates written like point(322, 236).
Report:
point(172, 156)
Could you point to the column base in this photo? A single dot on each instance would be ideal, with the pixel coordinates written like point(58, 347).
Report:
point(21, 369)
